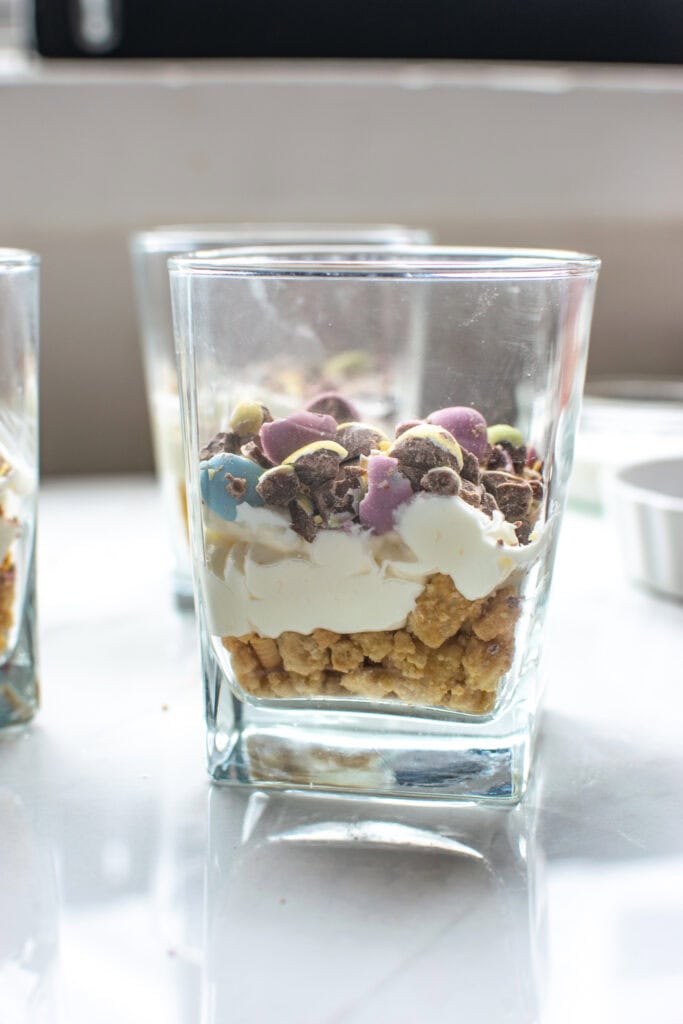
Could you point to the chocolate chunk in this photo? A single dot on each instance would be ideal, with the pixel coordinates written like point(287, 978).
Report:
point(523, 530)
point(278, 486)
point(512, 494)
point(331, 403)
point(253, 450)
point(517, 455)
point(441, 481)
point(316, 463)
point(427, 447)
point(488, 503)
point(359, 438)
point(470, 467)
point(236, 486)
point(535, 483)
point(471, 493)
point(338, 499)
point(499, 458)
point(224, 442)
point(303, 522)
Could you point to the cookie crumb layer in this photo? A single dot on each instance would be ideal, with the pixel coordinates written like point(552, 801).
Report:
point(452, 653)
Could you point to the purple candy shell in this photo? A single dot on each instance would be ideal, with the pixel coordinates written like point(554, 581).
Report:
point(467, 426)
point(282, 437)
point(387, 489)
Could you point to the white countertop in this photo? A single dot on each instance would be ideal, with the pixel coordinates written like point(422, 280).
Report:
point(130, 891)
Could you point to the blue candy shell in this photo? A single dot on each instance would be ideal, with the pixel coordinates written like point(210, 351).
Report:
point(212, 479)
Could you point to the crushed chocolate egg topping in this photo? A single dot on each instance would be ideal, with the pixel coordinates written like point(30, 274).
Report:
point(328, 474)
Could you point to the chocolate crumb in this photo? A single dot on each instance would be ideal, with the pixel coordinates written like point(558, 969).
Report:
point(236, 486)
point(253, 450)
point(470, 467)
point(517, 454)
point(330, 403)
point(278, 486)
point(423, 452)
point(226, 441)
point(342, 495)
point(302, 522)
point(499, 458)
point(523, 530)
point(512, 494)
point(471, 493)
point(441, 481)
point(489, 503)
point(359, 439)
point(315, 468)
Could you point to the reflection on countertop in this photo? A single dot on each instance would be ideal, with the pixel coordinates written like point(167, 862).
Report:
point(131, 891)
point(337, 909)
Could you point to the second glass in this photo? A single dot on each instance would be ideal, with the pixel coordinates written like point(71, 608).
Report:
point(19, 278)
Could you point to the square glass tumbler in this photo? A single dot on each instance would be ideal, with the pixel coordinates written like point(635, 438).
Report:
point(19, 694)
point(150, 251)
point(372, 548)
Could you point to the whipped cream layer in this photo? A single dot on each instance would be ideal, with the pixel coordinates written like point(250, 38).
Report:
point(16, 482)
point(261, 577)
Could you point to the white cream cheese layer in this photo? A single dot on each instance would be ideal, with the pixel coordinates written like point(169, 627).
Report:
point(16, 482)
point(262, 577)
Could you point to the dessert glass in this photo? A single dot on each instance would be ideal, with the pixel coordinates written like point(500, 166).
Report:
point(19, 275)
point(150, 251)
point(372, 557)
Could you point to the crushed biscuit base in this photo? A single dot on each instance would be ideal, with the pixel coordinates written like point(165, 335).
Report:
point(182, 498)
point(452, 653)
point(7, 588)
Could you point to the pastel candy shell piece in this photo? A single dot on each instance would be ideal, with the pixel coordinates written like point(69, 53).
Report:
point(387, 490)
point(282, 437)
point(467, 426)
point(215, 478)
point(504, 432)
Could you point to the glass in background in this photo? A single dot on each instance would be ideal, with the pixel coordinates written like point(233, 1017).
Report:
point(19, 281)
point(150, 251)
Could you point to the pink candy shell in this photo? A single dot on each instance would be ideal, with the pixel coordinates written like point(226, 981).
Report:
point(387, 490)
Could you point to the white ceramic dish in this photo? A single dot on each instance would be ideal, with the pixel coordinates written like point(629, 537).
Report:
point(646, 503)
point(647, 411)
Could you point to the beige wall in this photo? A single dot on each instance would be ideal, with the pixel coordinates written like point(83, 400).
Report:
point(588, 158)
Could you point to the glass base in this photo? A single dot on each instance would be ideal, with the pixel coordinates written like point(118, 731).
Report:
point(19, 687)
point(368, 752)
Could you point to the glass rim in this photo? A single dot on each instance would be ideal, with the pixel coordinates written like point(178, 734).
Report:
point(421, 262)
point(17, 259)
point(172, 238)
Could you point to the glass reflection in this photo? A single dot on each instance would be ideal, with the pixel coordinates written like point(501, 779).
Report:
point(330, 908)
point(28, 900)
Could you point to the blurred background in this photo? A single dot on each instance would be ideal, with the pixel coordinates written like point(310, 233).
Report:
point(539, 124)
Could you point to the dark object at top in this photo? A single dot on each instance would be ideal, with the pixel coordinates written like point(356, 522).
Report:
point(530, 30)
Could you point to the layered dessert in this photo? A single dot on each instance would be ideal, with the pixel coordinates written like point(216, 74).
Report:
point(351, 369)
point(16, 484)
point(344, 563)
